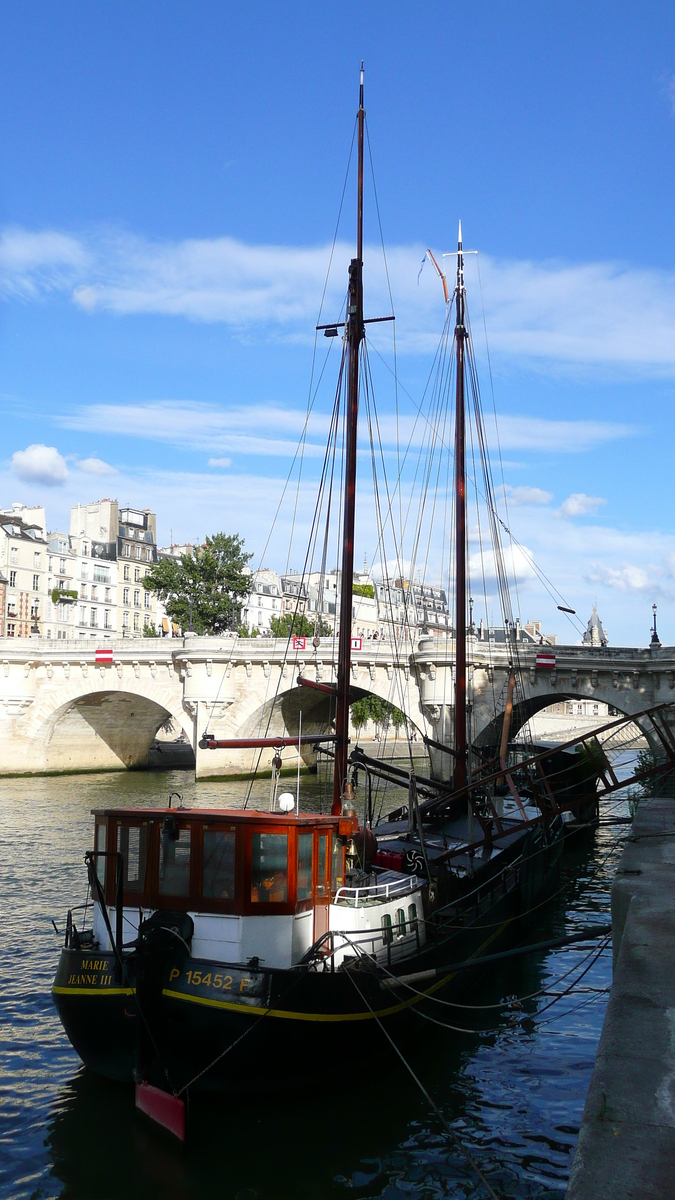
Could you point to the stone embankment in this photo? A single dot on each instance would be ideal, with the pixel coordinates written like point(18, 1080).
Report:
point(626, 1144)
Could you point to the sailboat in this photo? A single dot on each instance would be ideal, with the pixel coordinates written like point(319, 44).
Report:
point(230, 944)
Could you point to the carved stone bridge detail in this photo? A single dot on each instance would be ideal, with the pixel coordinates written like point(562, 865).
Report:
point(59, 710)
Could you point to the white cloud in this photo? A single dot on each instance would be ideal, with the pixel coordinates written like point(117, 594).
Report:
point(34, 263)
point(557, 437)
point(220, 462)
point(627, 578)
point(528, 495)
point(40, 464)
point(573, 314)
point(203, 427)
point(96, 466)
point(578, 503)
point(234, 429)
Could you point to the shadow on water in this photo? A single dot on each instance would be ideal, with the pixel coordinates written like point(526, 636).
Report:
point(513, 1095)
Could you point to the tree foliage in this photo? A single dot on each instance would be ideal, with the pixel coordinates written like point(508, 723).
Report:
point(206, 586)
point(299, 625)
point(373, 708)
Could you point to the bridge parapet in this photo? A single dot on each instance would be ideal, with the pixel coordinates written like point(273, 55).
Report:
point(239, 687)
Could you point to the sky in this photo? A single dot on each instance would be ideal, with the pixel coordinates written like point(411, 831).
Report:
point(170, 182)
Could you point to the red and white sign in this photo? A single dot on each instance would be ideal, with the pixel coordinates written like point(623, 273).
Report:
point(357, 643)
point(104, 656)
point(545, 662)
point(299, 643)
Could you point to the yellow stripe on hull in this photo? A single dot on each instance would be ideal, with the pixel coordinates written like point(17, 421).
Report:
point(78, 991)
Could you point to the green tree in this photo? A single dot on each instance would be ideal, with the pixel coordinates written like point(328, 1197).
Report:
point(299, 625)
point(206, 586)
point(373, 708)
point(150, 630)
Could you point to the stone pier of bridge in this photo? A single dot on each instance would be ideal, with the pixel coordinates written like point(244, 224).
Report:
point(60, 710)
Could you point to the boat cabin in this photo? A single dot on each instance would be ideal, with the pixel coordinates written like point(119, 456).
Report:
point(254, 883)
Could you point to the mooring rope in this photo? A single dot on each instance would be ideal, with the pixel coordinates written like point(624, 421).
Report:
point(432, 1104)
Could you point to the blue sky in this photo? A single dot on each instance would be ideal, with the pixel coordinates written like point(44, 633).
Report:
point(170, 176)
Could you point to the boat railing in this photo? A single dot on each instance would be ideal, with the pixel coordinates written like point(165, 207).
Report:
point(378, 892)
point(393, 942)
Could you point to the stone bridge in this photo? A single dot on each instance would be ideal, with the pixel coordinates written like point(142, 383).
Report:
point(61, 711)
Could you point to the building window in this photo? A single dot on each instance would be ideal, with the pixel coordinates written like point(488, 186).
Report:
point(147, 600)
point(10, 630)
point(107, 595)
point(137, 622)
point(127, 551)
point(14, 554)
point(84, 572)
point(125, 596)
point(85, 548)
point(137, 598)
point(12, 579)
point(62, 566)
point(125, 620)
point(93, 591)
point(83, 591)
point(139, 551)
point(137, 574)
point(83, 615)
point(93, 620)
point(36, 560)
point(127, 570)
point(106, 619)
point(148, 555)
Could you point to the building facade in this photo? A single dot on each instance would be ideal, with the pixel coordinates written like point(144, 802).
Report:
point(23, 563)
point(115, 549)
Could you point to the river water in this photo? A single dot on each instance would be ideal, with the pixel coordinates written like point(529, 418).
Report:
point(512, 1088)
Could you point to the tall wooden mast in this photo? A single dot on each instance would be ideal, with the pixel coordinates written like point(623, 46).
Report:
point(354, 335)
point(461, 774)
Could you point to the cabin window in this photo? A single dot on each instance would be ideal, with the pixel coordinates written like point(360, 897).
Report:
point(174, 861)
point(336, 864)
point(400, 922)
point(218, 869)
point(412, 917)
point(387, 935)
point(305, 855)
point(132, 844)
point(101, 843)
point(269, 868)
point(321, 873)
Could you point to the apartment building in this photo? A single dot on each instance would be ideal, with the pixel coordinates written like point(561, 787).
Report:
point(62, 577)
point(23, 563)
point(114, 549)
point(136, 551)
point(264, 601)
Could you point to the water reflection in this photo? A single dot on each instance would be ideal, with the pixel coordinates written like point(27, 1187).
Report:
point(515, 1098)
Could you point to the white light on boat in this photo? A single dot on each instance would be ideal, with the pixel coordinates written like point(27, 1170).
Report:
point(286, 802)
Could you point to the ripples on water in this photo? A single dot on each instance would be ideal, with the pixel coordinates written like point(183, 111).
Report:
point(514, 1095)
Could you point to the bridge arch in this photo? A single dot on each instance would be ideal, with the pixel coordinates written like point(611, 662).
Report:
point(490, 735)
point(106, 727)
point(279, 715)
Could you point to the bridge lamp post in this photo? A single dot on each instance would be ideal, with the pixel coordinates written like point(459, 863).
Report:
point(655, 642)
